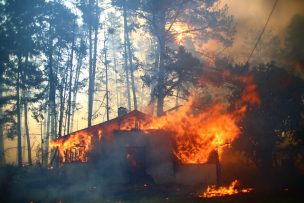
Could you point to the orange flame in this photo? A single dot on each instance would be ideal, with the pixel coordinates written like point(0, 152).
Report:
point(197, 134)
point(213, 191)
point(73, 148)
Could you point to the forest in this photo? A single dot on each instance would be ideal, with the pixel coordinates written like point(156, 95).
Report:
point(228, 90)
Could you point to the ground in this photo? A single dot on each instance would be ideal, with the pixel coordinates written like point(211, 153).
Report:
point(47, 186)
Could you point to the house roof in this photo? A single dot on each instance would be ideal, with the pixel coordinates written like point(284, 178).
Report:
point(129, 121)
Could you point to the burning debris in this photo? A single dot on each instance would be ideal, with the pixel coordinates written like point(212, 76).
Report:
point(233, 188)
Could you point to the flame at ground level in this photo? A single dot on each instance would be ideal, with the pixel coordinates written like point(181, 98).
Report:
point(213, 191)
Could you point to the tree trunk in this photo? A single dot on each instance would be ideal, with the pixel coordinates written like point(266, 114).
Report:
point(2, 153)
point(161, 70)
point(61, 109)
point(52, 103)
point(95, 52)
point(18, 105)
point(131, 70)
point(107, 82)
point(51, 97)
point(64, 99)
point(70, 82)
point(41, 140)
point(28, 140)
point(115, 70)
point(91, 82)
point(75, 88)
point(25, 106)
point(45, 146)
point(126, 56)
point(62, 102)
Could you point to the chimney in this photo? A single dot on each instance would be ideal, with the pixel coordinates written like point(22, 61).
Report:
point(122, 111)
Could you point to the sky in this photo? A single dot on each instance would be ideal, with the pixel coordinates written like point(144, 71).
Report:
point(248, 15)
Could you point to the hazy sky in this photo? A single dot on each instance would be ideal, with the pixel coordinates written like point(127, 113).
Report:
point(255, 12)
point(251, 15)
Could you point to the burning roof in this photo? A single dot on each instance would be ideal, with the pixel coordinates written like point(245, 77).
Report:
point(75, 146)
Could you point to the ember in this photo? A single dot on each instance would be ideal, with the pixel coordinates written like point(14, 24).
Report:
point(213, 191)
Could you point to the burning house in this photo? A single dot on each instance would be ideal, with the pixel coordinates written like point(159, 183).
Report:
point(129, 149)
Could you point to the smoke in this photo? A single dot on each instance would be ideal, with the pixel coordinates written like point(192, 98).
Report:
point(250, 17)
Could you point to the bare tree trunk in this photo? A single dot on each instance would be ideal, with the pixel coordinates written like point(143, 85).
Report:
point(91, 82)
point(45, 147)
point(107, 82)
point(25, 106)
point(92, 62)
point(28, 140)
point(75, 88)
point(41, 140)
point(95, 50)
point(161, 70)
point(115, 70)
point(131, 70)
point(51, 103)
point(18, 104)
point(64, 98)
point(62, 102)
point(70, 82)
point(2, 154)
point(61, 109)
point(126, 55)
point(142, 95)
point(45, 137)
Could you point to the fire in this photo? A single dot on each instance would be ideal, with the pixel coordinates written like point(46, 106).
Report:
point(213, 191)
point(73, 148)
point(198, 132)
point(181, 31)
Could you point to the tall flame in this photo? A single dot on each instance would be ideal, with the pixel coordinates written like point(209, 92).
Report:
point(197, 134)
